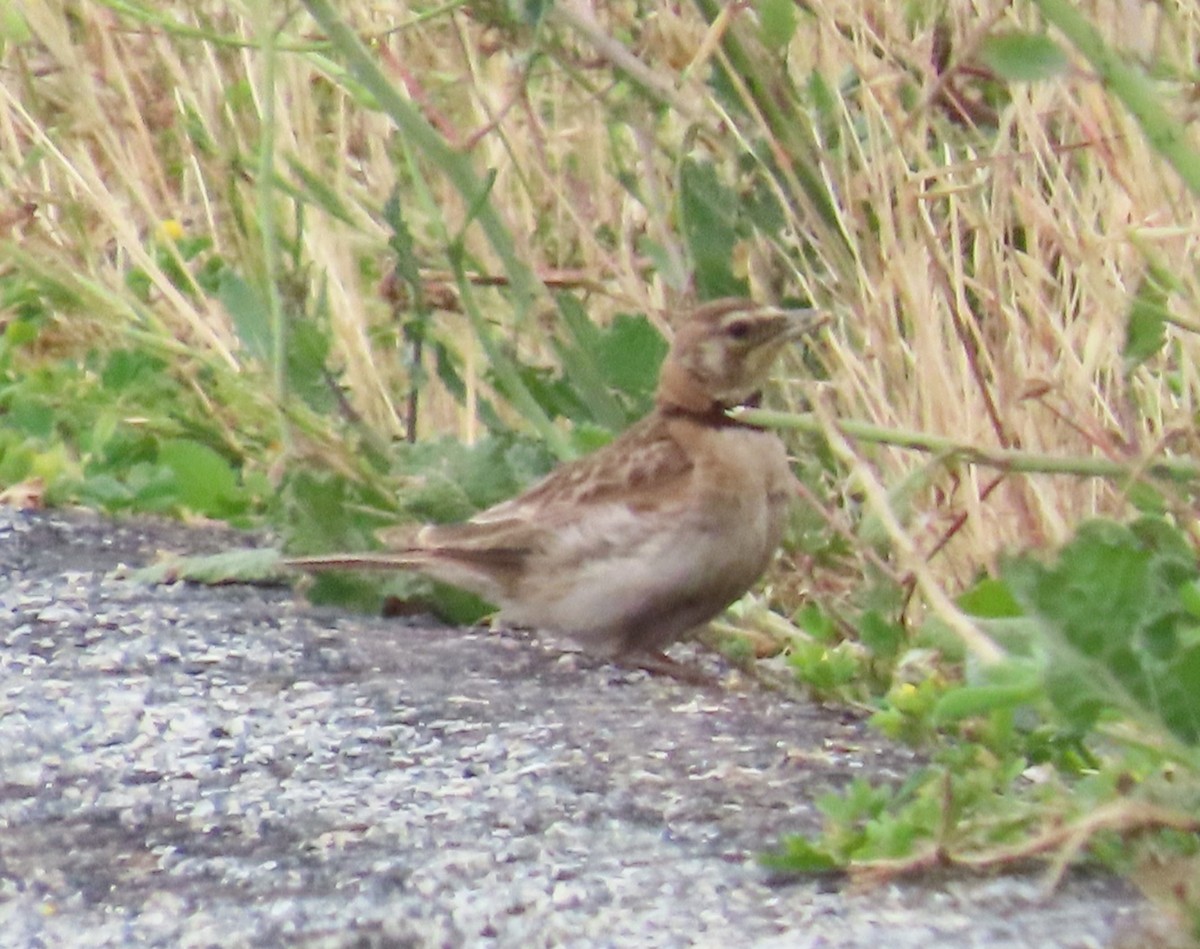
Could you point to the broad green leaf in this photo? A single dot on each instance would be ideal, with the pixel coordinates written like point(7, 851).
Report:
point(816, 622)
point(307, 366)
point(972, 700)
point(20, 332)
point(580, 365)
point(125, 367)
point(242, 565)
point(251, 315)
point(800, 855)
point(1145, 327)
point(104, 491)
point(151, 487)
point(630, 353)
point(708, 215)
point(1189, 597)
point(207, 483)
point(33, 416)
point(359, 592)
point(990, 599)
point(777, 21)
point(882, 636)
point(458, 607)
point(1023, 57)
point(1116, 632)
point(16, 460)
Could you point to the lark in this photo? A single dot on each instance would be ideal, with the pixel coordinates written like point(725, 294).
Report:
point(628, 549)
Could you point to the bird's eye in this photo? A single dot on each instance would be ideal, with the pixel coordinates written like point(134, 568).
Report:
point(739, 329)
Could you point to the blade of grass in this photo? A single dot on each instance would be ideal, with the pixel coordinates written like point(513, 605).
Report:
point(421, 134)
point(1129, 84)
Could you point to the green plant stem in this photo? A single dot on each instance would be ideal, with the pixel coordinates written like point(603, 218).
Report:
point(578, 18)
point(265, 199)
point(769, 95)
point(1007, 459)
point(1129, 84)
point(159, 19)
point(456, 166)
point(506, 369)
point(973, 638)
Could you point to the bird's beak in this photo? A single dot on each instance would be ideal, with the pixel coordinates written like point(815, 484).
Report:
point(802, 322)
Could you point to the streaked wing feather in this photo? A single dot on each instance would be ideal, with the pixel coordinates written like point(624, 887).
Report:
point(640, 468)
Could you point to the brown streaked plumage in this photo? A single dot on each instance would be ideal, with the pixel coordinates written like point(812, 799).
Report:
point(627, 549)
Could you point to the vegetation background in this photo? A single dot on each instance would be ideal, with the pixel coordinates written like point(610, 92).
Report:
point(324, 267)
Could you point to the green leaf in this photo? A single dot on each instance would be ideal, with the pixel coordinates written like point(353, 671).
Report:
point(244, 565)
point(14, 30)
point(319, 192)
point(800, 855)
point(207, 483)
point(882, 636)
point(251, 315)
point(990, 599)
point(20, 332)
point(1146, 498)
point(1022, 683)
point(629, 354)
point(761, 207)
point(307, 355)
point(861, 801)
point(1145, 327)
point(816, 622)
point(359, 592)
point(823, 668)
point(708, 216)
point(449, 481)
point(776, 21)
point(1189, 597)
point(126, 367)
point(458, 607)
point(326, 511)
point(1023, 57)
point(31, 416)
point(1116, 631)
point(580, 365)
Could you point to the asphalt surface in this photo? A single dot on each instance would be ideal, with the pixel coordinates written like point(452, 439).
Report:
point(225, 766)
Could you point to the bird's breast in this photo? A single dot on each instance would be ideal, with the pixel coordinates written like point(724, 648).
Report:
point(642, 573)
point(739, 471)
point(741, 485)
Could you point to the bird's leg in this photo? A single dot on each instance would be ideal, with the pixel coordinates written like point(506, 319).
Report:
point(659, 663)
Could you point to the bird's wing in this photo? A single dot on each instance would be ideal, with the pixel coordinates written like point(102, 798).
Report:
point(642, 469)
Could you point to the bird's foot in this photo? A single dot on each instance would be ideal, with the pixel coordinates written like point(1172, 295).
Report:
point(659, 663)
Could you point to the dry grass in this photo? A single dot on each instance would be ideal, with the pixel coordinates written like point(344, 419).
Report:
point(982, 294)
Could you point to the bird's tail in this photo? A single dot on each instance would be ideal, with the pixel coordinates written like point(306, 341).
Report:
point(396, 560)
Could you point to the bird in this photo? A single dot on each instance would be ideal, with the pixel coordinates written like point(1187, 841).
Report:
point(630, 548)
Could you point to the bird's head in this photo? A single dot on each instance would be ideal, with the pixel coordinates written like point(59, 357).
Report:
point(722, 352)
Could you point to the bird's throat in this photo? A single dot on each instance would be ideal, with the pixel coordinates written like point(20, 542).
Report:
point(680, 392)
point(680, 395)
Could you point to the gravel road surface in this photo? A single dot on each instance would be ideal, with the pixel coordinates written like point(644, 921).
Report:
point(225, 766)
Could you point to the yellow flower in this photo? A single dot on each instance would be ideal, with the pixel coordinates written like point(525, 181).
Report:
point(170, 230)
